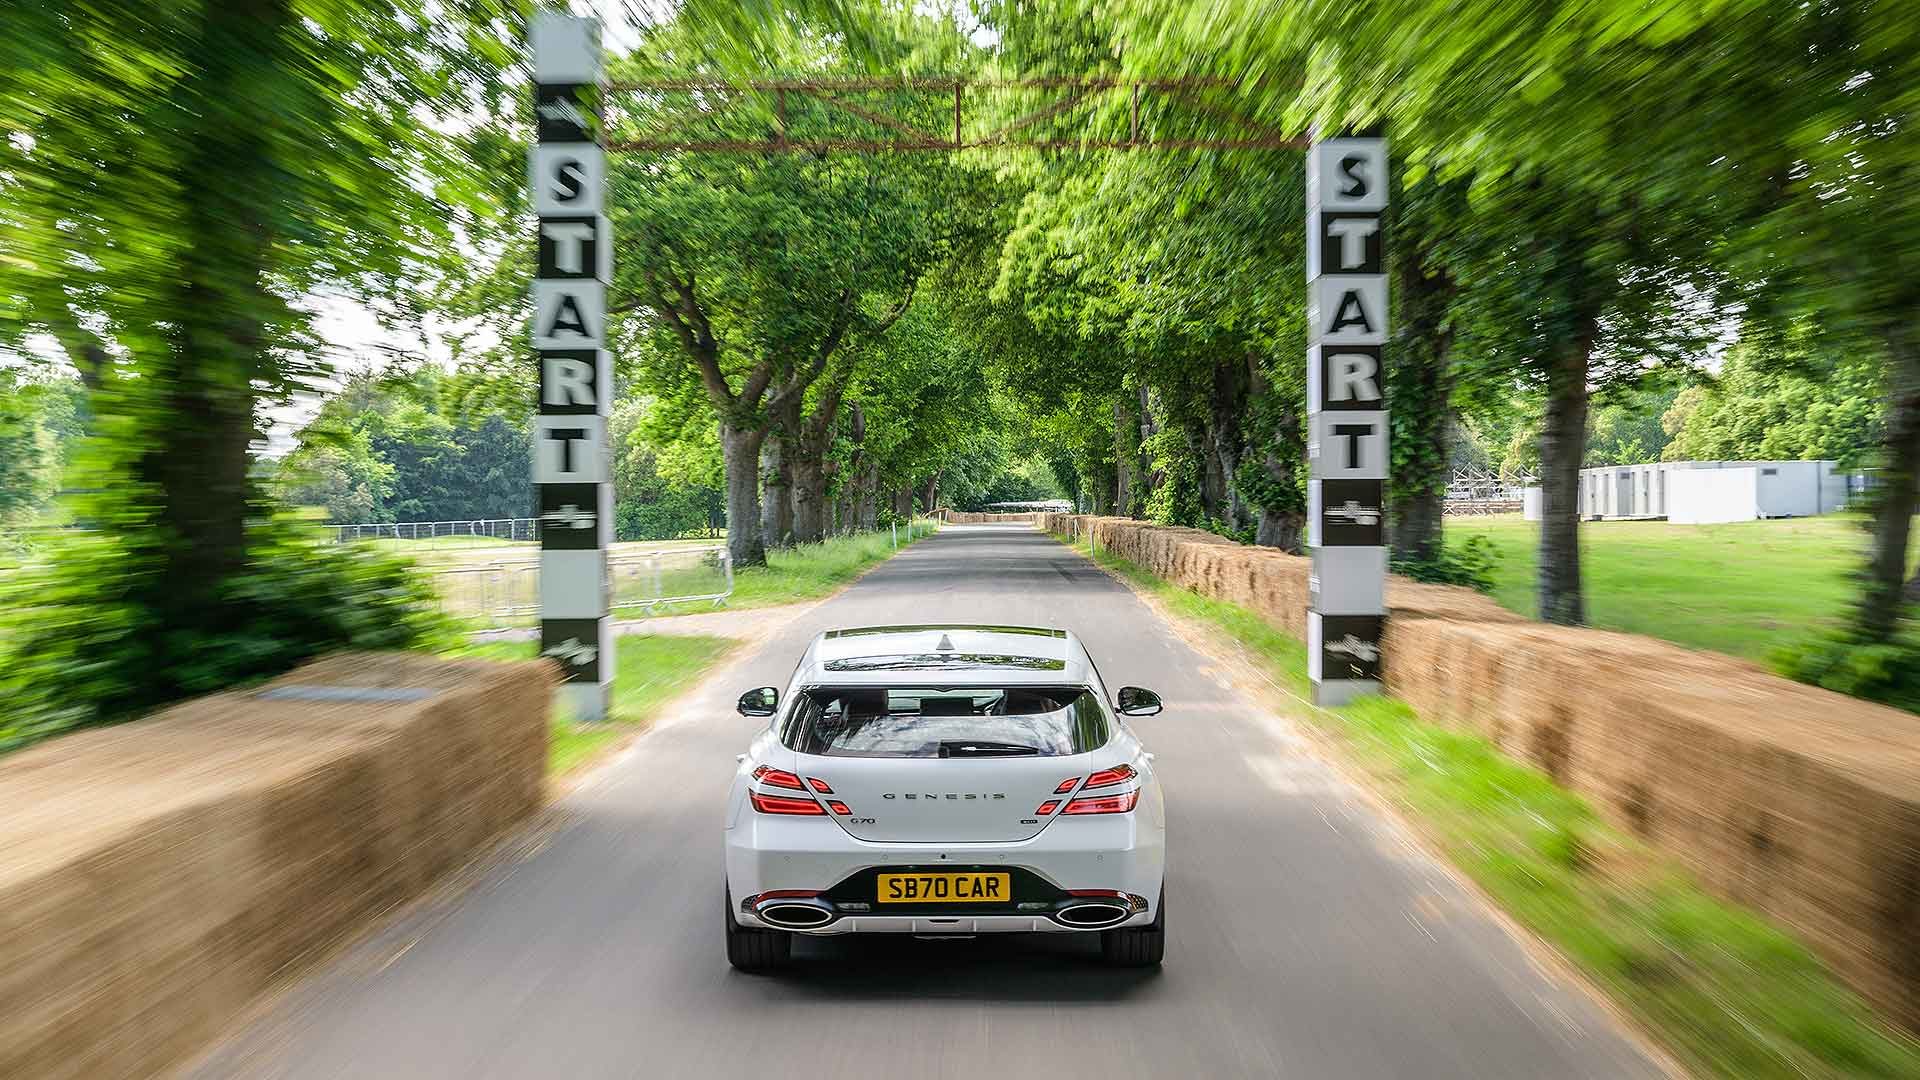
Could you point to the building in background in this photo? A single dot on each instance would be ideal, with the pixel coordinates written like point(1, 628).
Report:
point(1707, 492)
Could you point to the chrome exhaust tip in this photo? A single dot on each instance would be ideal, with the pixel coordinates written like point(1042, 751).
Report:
point(1092, 915)
point(789, 913)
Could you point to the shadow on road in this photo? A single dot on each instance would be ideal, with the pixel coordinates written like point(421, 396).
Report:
point(1029, 968)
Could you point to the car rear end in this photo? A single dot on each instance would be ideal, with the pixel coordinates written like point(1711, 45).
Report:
point(1090, 859)
point(991, 792)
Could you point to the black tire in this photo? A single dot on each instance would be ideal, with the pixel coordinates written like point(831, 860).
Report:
point(750, 949)
point(1137, 946)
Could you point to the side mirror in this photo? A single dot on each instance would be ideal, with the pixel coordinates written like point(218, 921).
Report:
point(1135, 701)
point(762, 702)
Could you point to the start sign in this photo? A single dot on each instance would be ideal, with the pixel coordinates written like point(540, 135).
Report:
point(572, 481)
point(1347, 415)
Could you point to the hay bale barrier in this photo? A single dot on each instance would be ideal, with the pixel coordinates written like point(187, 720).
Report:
point(961, 517)
point(1797, 802)
point(157, 876)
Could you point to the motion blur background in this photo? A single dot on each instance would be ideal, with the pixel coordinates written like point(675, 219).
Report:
point(264, 268)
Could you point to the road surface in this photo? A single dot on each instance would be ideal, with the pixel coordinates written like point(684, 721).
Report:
point(1306, 937)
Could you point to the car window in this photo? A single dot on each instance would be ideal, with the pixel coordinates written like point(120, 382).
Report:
point(908, 722)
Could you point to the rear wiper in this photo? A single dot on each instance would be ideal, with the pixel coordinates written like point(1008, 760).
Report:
point(972, 748)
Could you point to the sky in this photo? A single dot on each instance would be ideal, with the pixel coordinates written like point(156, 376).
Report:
point(356, 343)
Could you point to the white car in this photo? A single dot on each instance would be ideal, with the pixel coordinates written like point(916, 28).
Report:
point(945, 781)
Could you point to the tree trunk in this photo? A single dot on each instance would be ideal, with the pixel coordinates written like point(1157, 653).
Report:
point(933, 494)
point(1877, 617)
point(1096, 499)
point(809, 499)
point(1278, 436)
point(1213, 480)
point(776, 506)
point(1239, 514)
point(787, 426)
point(1231, 385)
point(741, 451)
point(903, 502)
point(1418, 525)
point(868, 496)
point(196, 395)
point(1420, 388)
point(1282, 525)
point(1147, 479)
point(806, 455)
point(1122, 458)
point(1563, 442)
point(1280, 529)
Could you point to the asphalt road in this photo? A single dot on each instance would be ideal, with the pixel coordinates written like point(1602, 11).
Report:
point(1306, 936)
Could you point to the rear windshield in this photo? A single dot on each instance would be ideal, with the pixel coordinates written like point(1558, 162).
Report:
point(962, 722)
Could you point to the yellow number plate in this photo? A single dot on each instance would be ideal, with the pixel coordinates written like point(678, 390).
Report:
point(946, 888)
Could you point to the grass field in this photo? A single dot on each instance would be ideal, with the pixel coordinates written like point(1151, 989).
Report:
point(1741, 588)
point(810, 571)
point(1726, 992)
point(650, 670)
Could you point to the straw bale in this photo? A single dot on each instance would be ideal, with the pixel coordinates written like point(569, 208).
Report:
point(155, 876)
point(1798, 802)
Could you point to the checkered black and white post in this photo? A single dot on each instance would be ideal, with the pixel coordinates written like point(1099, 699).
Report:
point(1347, 415)
point(571, 474)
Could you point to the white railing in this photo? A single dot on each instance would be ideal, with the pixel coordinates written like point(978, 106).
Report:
point(478, 530)
point(645, 581)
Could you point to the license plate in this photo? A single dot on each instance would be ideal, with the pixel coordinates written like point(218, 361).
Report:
point(946, 888)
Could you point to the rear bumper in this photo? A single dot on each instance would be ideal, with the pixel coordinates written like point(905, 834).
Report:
point(1117, 854)
point(956, 926)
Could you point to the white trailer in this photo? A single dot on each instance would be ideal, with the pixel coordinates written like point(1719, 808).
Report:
point(1749, 491)
point(1698, 492)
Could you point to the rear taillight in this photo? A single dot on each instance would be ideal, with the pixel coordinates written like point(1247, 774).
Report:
point(838, 807)
point(819, 785)
point(1066, 785)
point(1047, 807)
point(1117, 774)
point(1120, 802)
point(780, 804)
point(780, 778)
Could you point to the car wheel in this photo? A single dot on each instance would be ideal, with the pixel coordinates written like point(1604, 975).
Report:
point(750, 949)
point(1137, 946)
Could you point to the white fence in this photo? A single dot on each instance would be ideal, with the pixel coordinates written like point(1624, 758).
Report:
point(642, 581)
point(478, 531)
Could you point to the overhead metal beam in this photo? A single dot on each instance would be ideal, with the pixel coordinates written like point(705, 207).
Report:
point(818, 146)
point(906, 82)
point(1246, 134)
